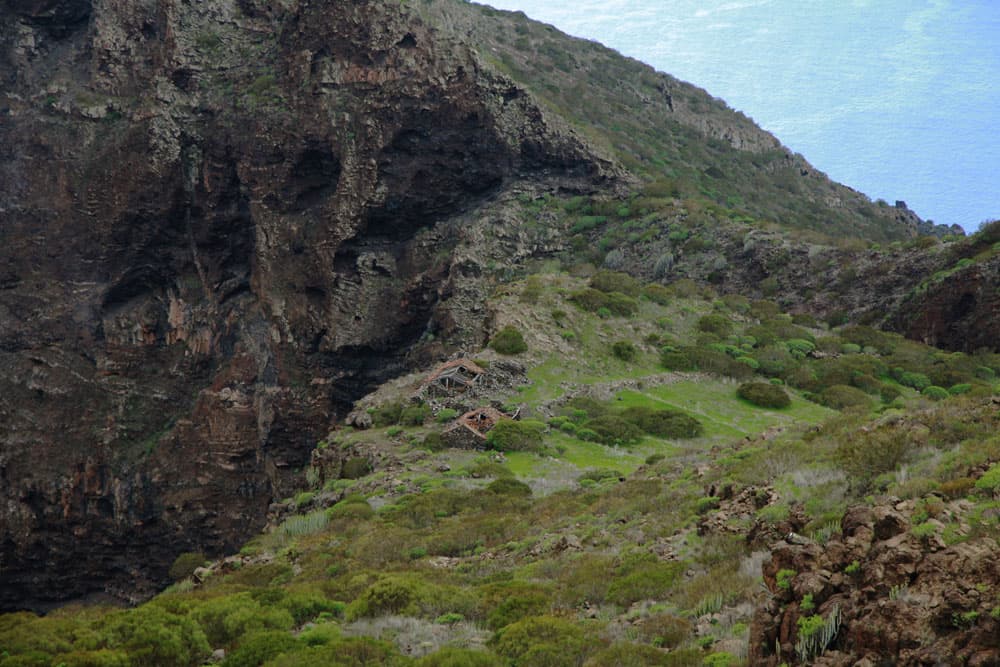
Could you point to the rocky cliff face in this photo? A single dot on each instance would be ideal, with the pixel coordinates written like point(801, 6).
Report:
point(889, 594)
point(957, 310)
point(221, 223)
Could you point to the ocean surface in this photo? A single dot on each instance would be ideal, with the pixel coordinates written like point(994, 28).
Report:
point(897, 98)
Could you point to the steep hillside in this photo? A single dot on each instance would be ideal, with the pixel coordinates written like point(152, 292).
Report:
point(226, 222)
point(668, 131)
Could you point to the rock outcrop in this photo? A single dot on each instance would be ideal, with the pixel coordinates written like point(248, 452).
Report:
point(223, 222)
point(887, 591)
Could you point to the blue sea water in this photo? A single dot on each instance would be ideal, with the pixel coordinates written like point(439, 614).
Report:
point(897, 98)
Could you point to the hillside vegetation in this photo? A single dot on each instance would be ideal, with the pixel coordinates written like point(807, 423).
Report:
point(628, 527)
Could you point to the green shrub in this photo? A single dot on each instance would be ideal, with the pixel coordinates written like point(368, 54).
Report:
point(621, 305)
point(957, 488)
point(342, 652)
point(387, 415)
point(720, 363)
point(917, 381)
point(865, 455)
point(259, 647)
point(613, 430)
point(153, 636)
point(624, 350)
point(935, 393)
point(303, 499)
point(628, 654)
point(657, 293)
point(589, 299)
point(990, 481)
point(663, 423)
point(389, 595)
point(508, 486)
point(509, 435)
point(459, 657)
point(543, 640)
point(959, 389)
point(510, 603)
point(716, 324)
point(414, 415)
point(352, 509)
point(508, 341)
point(664, 630)
point(532, 290)
point(305, 606)
point(764, 395)
point(433, 441)
point(599, 475)
point(614, 281)
point(800, 347)
point(185, 565)
point(721, 659)
point(226, 619)
point(644, 580)
point(675, 360)
point(985, 373)
point(446, 415)
point(355, 467)
point(841, 396)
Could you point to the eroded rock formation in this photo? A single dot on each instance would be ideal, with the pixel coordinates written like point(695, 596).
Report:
point(902, 596)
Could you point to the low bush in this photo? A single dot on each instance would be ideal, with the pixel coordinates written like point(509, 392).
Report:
point(864, 455)
point(345, 651)
point(185, 565)
point(153, 636)
point(657, 293)
point(414, 415)
point(226, 619)
point(387, 415)
point(446, 415)
point(355, 467)
point(663, 423)
point(764, 395)
point(935, 393)
point(675, 360)
point(841, 396)
point(615, 303)
point(259, 647)
point(646, 580)
point(614, 281)
point(917, 381)
point(624, 350)
point(459, 657)
point(508, 486)
point(716, 324)
point(509, 435)
point(664, 630)
point(990, 481)
point(351, 508)
point(613, 430)
point(508, 341)
point(543, 640)
point(628, 654)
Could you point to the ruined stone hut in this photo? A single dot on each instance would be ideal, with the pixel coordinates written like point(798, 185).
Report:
point(469, 431)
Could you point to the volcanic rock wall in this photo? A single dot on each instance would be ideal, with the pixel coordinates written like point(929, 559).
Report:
point(220, 223)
